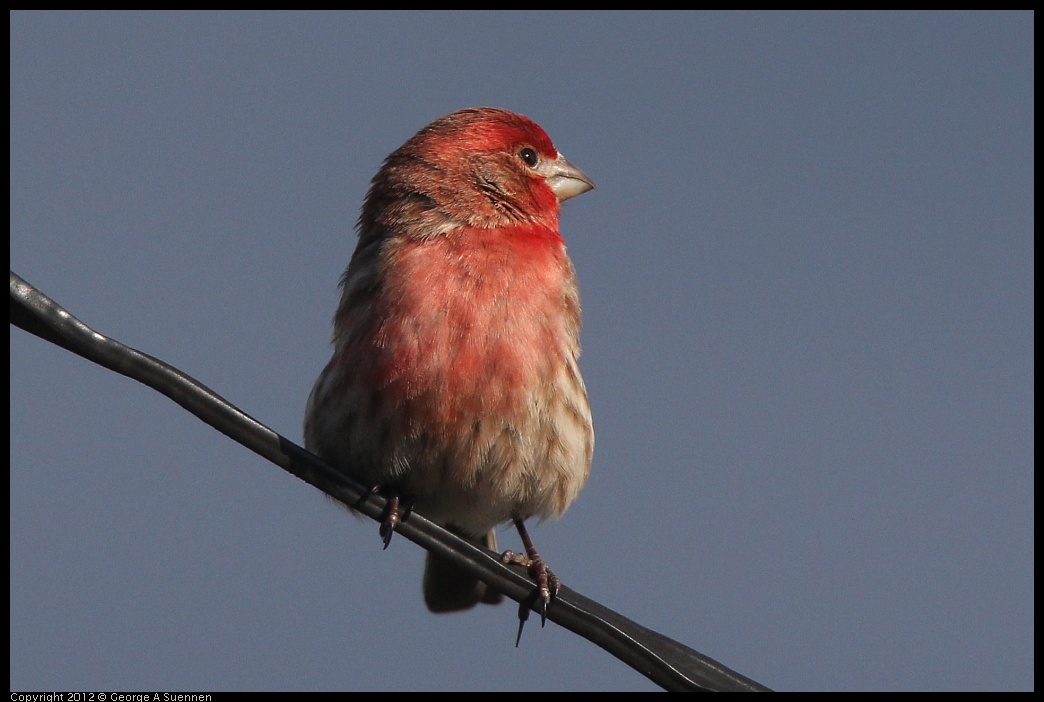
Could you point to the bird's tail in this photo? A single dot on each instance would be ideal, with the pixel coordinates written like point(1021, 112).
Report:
point(447, 588)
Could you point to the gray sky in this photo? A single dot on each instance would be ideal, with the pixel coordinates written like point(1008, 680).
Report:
point(808, 290)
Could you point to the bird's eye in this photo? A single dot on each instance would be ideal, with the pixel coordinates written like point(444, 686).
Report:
point(529, 156)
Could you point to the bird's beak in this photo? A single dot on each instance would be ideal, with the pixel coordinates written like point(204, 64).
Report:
point(565, 179)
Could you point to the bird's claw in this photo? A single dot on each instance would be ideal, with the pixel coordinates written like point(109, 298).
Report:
point(388, 528)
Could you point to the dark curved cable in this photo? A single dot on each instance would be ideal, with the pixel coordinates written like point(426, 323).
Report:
point(666, 662)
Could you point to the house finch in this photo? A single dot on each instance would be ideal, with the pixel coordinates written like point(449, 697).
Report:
point(454, 382)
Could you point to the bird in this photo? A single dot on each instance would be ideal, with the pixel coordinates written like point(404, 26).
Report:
point(454, 386)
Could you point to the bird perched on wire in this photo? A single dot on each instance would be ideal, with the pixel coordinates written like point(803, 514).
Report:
point(454, 386)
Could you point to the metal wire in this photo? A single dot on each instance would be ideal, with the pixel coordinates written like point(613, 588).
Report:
point(666, 662)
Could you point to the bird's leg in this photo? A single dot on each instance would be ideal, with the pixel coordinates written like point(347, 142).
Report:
point(547, 582)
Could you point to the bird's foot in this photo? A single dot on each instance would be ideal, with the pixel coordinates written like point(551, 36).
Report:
point(547, 583)
point(395, 512)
